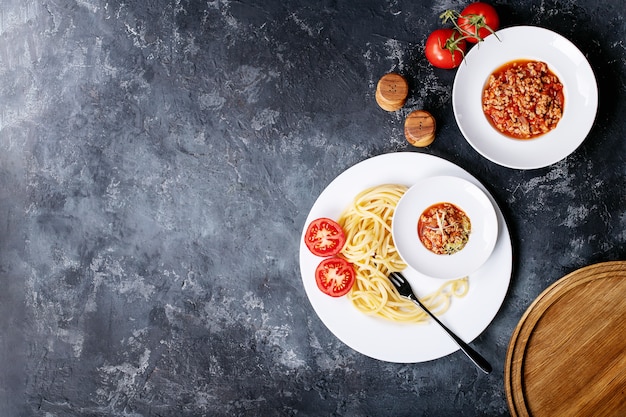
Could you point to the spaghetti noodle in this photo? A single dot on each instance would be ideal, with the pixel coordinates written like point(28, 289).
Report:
point(369, 247)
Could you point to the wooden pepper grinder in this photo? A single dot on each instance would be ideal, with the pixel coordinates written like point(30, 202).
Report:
point(419, 128)
point(391, 91)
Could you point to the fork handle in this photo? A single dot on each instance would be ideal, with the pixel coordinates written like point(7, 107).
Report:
point(478, 360)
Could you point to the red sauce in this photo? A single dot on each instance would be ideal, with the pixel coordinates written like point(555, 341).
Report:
point(523, 99)
point(443, 228)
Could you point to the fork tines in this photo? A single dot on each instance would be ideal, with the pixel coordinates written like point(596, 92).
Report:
point(401, 284)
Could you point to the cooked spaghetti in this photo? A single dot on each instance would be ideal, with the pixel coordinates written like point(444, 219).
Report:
point(369, 247)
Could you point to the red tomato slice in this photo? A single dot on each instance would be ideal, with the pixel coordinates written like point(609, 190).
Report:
point(445, 49)
point(324, 237)
point(478, 18)
point(335, 276)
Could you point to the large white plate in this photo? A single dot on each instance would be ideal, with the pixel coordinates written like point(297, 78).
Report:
point(395, 342)
point(564, 60)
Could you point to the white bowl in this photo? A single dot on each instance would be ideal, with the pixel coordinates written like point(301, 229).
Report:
point(564, 60)
point(466, 196)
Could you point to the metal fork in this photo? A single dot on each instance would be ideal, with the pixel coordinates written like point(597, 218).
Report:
point(404, 288)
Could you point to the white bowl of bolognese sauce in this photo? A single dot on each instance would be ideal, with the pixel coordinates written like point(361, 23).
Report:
point(563, 59)
point(426, 227)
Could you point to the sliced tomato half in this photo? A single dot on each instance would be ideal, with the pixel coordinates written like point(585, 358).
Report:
point(335, 276)
point(324, 237)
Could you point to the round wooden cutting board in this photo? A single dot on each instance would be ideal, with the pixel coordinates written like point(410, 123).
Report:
point(567, 355)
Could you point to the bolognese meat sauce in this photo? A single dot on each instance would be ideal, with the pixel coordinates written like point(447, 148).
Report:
point(523, 99)
point(444, 228)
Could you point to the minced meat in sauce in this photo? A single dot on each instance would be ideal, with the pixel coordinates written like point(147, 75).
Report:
point(444, 228)
point(523, 99)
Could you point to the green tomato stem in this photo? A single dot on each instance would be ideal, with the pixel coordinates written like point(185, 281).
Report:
point(476, 20)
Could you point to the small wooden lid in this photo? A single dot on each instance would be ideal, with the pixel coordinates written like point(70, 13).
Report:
point(419, 128)
point(392, 91)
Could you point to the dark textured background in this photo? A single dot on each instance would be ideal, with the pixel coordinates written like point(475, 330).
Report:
point(157, 163)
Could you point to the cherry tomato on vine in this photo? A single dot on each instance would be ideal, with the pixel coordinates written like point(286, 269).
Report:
point(335, 276)
point(445, 48)
point(478, 19)
point(324, 237)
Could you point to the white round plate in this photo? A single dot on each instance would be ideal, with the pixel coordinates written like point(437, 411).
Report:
point(564, 60)
point(464, 195)
point(396, 342)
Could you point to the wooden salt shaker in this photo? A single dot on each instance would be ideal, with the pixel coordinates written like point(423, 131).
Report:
point(392, 91)
point(419, 128)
